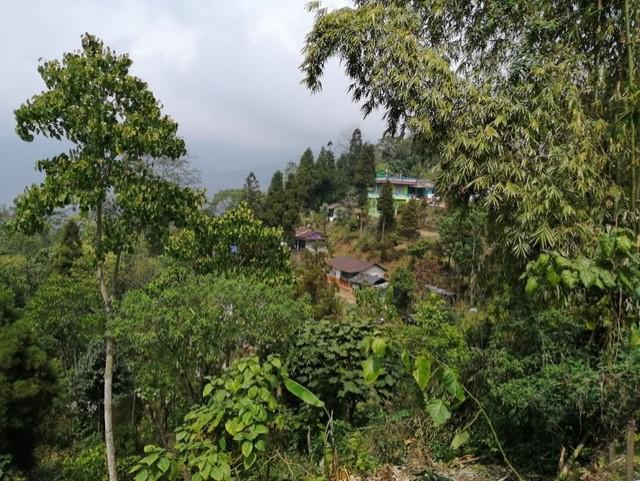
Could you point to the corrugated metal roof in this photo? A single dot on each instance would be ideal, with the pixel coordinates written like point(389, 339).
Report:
point(351, 265)
point(308, 235)
point(401, 180)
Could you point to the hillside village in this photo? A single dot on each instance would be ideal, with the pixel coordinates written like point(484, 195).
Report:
point(335, 209)
point(455, 300)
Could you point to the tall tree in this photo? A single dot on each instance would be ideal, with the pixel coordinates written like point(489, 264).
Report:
point(365, 172)
point(408, 222)
point(325, 171)
point(306, 180)
point(275, 200)
point(116, 127)
point(386, 209)
point(69, 249)
point(251, 194)
point(291, 216)
point(346, 164)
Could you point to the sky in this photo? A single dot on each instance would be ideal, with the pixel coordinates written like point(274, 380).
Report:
point(226, 71)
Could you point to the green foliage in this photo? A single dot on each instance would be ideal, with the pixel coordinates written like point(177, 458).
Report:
point(221, 318)
point(365, 173)
point(311, 276)
point(236, 242)
point(69, 249)
point(401, 289)
point(327, 358)
point(613, 267)
point(291, 215)
point(306, 180)
point(544, 390)
point(519, 124)
point(439, 386)
point(408, 222)
point(275, 202)
point(115, 124)
point(437, 332)
point(66, 313)
point(251, 195)
point(462, 240)
point(27, 386)
point(232, 429)
point(19, 279)
point(85, 391)
point(373, 304)
point(386, 208)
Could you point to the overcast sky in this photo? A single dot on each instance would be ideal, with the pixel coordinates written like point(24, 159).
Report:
point(226, 70)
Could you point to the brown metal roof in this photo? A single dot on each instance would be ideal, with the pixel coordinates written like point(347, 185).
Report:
point(302, 233)
point(351, 265)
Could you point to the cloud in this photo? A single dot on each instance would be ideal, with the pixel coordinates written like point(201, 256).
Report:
point(227, 71)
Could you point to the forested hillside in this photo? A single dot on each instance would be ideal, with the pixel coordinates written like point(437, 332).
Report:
point(468, 307)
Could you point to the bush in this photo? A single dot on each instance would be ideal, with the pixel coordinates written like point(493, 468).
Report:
point(328, 357)
point(28, 385)
point(544, 391)
point(438, 331)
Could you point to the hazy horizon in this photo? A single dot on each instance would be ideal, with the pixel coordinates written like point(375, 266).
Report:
point(227, 73)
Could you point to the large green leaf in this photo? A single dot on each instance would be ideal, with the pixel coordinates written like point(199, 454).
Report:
point(459, 439)
point(450, 381)
point(302, 393)
point(378, 346)
point(422, 372)
point(370, 370)
point(439, 411)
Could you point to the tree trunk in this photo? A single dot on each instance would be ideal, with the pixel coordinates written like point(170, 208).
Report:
point(107, 299)
point(108, 410)
point(631, 450)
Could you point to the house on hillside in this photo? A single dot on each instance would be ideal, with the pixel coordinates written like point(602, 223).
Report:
point(404, 189)
point(352, 273)
point(335, 211)
point(309, 239)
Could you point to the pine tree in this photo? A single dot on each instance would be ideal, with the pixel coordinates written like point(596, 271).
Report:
point(305, 177)
point(365, 173)
point(275, 201)
point(386, 209)
point(291, 214)
point(324, 187)
point(346, 165)
point(355, 145)
point(252, 195)
point(408, 221)
point(69, 249)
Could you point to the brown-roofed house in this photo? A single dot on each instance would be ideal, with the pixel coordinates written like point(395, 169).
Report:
point(309, 239)
point(349, 271)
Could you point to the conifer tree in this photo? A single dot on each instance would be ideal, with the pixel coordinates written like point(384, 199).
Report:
point(69, 249)
point(386, 209)
point(305, 177)
point(291, 214)
point(251, 194)
point(346, 165)
point(275, 200)
point(408, 221)
point(324, 187)
point(365, 172)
